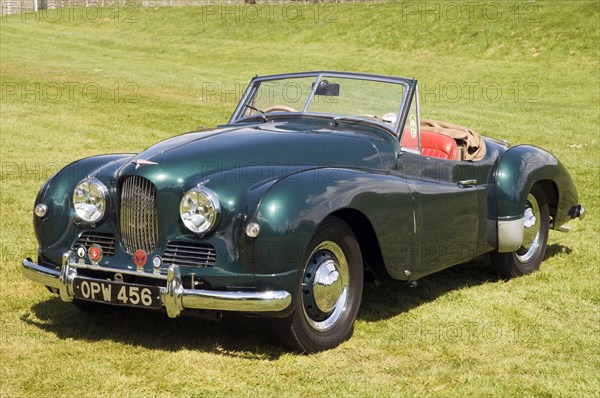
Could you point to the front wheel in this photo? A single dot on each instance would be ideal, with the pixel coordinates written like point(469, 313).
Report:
point(529, 256)
point(330, 291)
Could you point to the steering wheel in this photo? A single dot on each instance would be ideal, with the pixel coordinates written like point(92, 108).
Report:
point(283, 108)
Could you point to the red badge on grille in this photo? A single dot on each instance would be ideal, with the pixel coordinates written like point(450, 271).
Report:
point(95, 253)
point(139, 258)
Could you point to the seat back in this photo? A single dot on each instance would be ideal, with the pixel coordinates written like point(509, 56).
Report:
point(438, 145)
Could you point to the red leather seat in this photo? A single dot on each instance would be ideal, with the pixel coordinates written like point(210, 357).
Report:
point(438, 145)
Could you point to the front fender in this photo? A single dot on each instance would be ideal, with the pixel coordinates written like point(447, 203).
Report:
point(56, 193)
point(290, 212)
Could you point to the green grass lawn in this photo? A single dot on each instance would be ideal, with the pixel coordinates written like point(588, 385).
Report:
point(75, 85)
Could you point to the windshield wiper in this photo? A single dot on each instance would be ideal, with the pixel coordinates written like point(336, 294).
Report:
point(353, 118)
point(262, 113)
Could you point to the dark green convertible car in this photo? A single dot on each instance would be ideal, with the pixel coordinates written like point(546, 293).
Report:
point(317, 178)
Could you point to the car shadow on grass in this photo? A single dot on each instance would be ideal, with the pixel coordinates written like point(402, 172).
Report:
point(390, 298)
point(555, 249)
point(236, 335)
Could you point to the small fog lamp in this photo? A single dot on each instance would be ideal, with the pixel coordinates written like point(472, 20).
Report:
point(252, 230)
point(41, 210)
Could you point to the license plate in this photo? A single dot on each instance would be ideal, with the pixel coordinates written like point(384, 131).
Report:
point(117, 293)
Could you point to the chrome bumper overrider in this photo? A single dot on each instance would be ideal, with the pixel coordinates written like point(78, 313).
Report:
point(174, 297)
point(576, 211)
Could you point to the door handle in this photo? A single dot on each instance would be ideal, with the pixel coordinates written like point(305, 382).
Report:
point(466, 183)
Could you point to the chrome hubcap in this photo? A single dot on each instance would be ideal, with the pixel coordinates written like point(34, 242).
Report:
point(325, 286)
point(531, 234)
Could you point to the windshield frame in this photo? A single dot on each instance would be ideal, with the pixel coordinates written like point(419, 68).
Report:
point(394, 129)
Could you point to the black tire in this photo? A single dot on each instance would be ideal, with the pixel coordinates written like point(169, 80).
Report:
point(529, 256)
point(88, 306)
point(329, 291)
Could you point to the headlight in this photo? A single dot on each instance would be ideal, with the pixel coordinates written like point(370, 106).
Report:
point(89, 200)
point(200, 209)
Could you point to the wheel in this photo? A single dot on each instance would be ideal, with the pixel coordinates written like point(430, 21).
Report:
point(329, 293)
point(87, 306)
point(529, 256)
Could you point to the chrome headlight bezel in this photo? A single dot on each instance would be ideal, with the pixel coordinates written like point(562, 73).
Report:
point(200, 210)
point(99, 202)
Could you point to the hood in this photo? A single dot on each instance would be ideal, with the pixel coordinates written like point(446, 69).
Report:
point(250, 148)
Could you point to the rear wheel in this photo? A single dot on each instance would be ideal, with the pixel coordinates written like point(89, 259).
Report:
point(529, 256)
point(329, 293)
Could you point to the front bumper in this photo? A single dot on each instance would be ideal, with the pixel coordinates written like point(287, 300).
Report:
point(173, 295)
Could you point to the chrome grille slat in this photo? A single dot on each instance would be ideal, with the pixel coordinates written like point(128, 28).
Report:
point(139, 226)
point(190, 254)
point(138, 214)
point(193, 264)
point(105, 240)
point(190, 258)
point(147, 217)
point(136, 218)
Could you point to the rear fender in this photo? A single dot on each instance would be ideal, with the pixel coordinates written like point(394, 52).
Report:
point(517, 171)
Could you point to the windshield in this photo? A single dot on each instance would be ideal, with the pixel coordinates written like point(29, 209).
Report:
point(339, 95)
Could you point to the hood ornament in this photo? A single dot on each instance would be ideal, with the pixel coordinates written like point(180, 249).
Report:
point(142, 162)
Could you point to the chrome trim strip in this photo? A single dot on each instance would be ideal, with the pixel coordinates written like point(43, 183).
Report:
point(117, 270)
point(174, 297)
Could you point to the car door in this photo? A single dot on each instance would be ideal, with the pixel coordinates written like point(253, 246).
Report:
point(446, 202)
point(447, 196)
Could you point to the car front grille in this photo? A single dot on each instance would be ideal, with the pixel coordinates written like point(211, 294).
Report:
point(138, 218)
point(190, 254)
point(105, 240)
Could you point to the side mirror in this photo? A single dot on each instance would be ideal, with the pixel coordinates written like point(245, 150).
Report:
point(328, 89)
